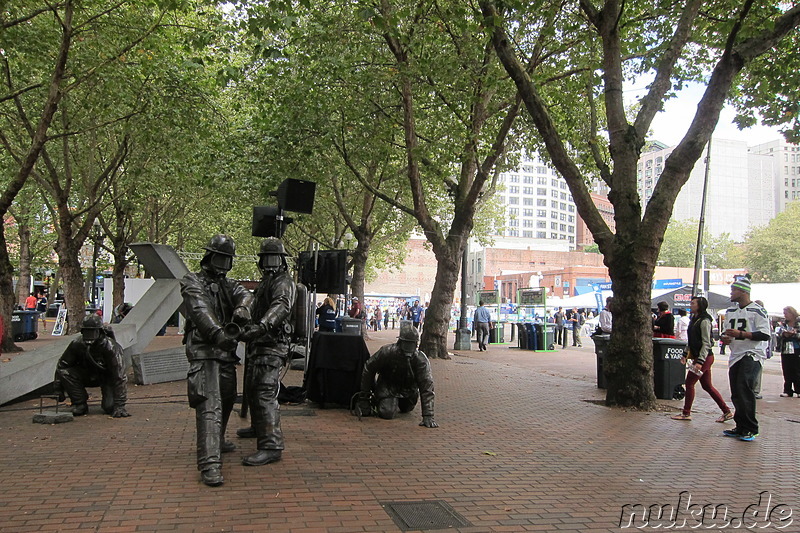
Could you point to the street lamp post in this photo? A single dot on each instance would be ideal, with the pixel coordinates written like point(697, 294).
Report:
point(97, 237)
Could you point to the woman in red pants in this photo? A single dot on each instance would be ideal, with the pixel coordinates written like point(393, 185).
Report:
point(702, 358)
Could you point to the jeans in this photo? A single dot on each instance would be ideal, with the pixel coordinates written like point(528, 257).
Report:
point(705, 382)
point(482, 333)
point(742, 376)
point(790, 364)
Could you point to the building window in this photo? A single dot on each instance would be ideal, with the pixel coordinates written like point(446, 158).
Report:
point(541, 191)
point(527, 234)
point(513, 223)
point(571, 209)
point(541, 180)
point(527, 201)
point(541, 213)
point(513, 233)
point(541, 224)
point(554, 193)
point(554, 184)
point(541, 202)
point(527, 223)
point(570, 218)
point(572, 239)
point(563, 184)
point(541, 170)
point(571, 229)
point(513, 190)
point(528, 169)
point(553, 204)
point(562, 227)
point(513, 211)
point(541, 234)
point(514, 178)
point(563, 206)
point(554, 215)
point(527, 212)
point(527, 179)
point(527, 190)
point(554, 225)
point(513, 200)
point(564, 196)
point(562, 217)
point(554, 235)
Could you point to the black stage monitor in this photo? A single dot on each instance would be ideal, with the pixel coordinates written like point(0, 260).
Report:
point(266, 223)
point(331, 272)
point(296, 195)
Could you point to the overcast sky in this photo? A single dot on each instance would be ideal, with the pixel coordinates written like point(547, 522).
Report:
point(670, 125)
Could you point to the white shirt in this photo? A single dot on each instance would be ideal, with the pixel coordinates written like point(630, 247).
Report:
point(682, 328)
point(605, 320)
point(752, 318)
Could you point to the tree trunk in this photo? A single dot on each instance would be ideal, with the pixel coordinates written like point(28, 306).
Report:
point(118, 273)
point(437, 316)
point(629, 361)
point(74, 290)
point(7, 297)
point(24, 278)
point(360, 255)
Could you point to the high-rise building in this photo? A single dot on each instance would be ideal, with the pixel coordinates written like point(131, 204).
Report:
point(785, 170)
point(539, 210)
point(740, 192)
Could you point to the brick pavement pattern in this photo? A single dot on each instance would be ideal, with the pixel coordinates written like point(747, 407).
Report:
point(518, 450)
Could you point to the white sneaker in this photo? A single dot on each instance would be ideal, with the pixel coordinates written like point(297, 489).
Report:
point(784, 395)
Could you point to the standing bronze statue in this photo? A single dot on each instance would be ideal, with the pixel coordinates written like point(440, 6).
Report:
point(215, 309)
point(93, 360)
point(267, 349)
point(403, 376)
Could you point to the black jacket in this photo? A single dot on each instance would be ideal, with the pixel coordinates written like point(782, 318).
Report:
point(208, 304)
point(272, 308)
point(103, 360)
point(403, 376)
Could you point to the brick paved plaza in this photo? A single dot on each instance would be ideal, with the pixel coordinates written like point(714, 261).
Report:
point(519, 449)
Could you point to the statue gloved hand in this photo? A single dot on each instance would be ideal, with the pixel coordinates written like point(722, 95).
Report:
point(252, 332)
point(224, 342)
point(428, 422)
point(59, 391)
point(120, 412)
point(241, 316)
point(363, 404)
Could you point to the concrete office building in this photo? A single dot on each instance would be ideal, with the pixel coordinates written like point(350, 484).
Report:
point(741, 191)
point(785, 170)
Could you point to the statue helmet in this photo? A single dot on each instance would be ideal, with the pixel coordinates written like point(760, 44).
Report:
point(222, 244)
point(409, 333)
point(91, 328)
point(272, 245)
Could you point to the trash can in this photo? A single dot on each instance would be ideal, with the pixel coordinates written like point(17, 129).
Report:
point(600, 347)
point(24, 325)
point(550, 343)
point(496, 332)
point(530, 333)
point(522, 336)
point(669, 374)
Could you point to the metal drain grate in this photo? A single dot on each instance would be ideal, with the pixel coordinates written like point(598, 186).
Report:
point(422, 515)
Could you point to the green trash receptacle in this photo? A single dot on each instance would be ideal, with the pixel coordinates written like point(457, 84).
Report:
point(496, 333)
point(669, 374)
point(600, 347)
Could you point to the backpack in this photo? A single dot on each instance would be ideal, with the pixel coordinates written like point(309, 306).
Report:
point(581, 319)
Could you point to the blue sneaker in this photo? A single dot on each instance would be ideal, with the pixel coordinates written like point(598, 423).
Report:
point(732, 433)
point(748, 437)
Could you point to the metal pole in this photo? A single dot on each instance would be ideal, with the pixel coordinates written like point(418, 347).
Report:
point(698, 252)
point(463, 334)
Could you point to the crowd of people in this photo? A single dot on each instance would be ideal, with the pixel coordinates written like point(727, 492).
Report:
point(376, 317)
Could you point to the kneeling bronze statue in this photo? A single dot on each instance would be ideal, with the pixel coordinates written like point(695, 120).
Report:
point(403, 377)
point(94, 360)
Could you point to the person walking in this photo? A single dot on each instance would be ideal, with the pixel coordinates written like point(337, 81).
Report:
point(682, 326)
point(577, 319)
point(701, 357)
point(481, 320)
point(747, 335)
point(558, 318)
point(789, 344)
point(605, 320)
point(41, 308)
point(664, 325)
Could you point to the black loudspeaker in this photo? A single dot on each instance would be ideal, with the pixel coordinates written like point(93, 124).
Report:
point(266, 223)
point(330, 274)
point(297, 195)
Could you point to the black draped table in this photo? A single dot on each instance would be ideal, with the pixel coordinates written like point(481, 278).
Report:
point(334, 367)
